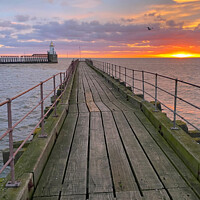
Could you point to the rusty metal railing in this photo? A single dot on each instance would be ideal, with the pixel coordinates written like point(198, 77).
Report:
point(149, 79)
point(63, 82)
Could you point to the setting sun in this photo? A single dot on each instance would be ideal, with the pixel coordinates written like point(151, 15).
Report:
point(180, 55)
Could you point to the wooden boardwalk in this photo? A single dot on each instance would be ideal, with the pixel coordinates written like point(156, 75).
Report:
point(107, 149)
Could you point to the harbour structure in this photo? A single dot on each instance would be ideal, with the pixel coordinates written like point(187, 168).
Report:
point(50, 57)
point(102, 140)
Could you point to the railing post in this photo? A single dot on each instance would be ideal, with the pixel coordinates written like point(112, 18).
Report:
point(175, 102)
point(109, 69)
point(125, 75)
point(61, 82)
point(156, 92)
point(61, 79)
point(64, 79)
point(115, 71)
point(112, 70)
point(11, 183)
point(54, 88)
point(106, 68)
point(143, 83)
point(119, 73)
point(103, 66)
point(133, 76)
point(42, 135)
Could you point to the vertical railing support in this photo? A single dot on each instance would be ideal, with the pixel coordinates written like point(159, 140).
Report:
point(156, 92)
point(125, 75)
point(61, 83)
point(61, 80)
point(133, 84)
point(119, 73)
point(115, 72)
point(42, 135)
point(106, 68)
point(54, 88)
point(112, 70)
point(11, 183)
point(175, 103)
point(64, 79)
point(143, 84)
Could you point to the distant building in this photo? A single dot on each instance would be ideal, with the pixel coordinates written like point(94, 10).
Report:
point(52, 56)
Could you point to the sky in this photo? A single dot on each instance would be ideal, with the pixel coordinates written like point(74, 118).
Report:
point(101, 28)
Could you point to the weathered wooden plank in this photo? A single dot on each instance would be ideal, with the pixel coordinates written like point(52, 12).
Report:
point(88, 96)
point(101, 196)
point(73, 108)
point(82, 107)
point(114, 96)
point(74, 197)
point(85, 84)
point(50, 183)
point(168, 151)
point(102, 107)
point(81, 95)
point(156, 194)
point(183, 193)
point(95, 93)
point(104, 97)
point(73, 96)
point(93, 89)
point(46, 198)
point(92, 107)
point(121, 171)
point(99, 172)
point(166, 171)
point(129, 195)
point(76, 173)
point(90, 103)
point(145, 174)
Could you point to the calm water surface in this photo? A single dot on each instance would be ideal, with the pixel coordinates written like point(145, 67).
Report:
point(16, 78)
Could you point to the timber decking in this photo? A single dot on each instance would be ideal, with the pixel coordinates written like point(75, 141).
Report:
point(107, 149)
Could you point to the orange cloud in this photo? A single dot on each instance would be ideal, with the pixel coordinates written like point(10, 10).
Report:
point(185, 1)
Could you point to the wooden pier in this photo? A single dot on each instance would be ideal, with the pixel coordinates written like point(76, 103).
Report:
point(108, 149)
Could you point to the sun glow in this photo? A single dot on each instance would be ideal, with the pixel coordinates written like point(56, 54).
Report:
point(180, 55)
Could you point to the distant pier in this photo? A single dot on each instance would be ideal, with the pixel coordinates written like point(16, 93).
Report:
point(50, 57)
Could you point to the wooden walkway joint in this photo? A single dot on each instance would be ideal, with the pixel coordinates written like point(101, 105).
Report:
point(107, 149)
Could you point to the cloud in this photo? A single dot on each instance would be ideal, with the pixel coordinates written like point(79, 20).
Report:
point(9, 24)
point(92, 34)
point(76, 3)
point(22, 18)
point(185, 1)
point(128, 20)
point(173, 24)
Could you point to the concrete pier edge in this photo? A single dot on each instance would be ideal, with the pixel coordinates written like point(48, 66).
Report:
point(29, 167)
point(185, 146)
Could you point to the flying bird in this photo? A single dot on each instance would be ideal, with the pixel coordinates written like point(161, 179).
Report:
point(149, 28)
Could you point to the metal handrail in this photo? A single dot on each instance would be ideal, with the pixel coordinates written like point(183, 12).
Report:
point(116, 72)
point(64, 82)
